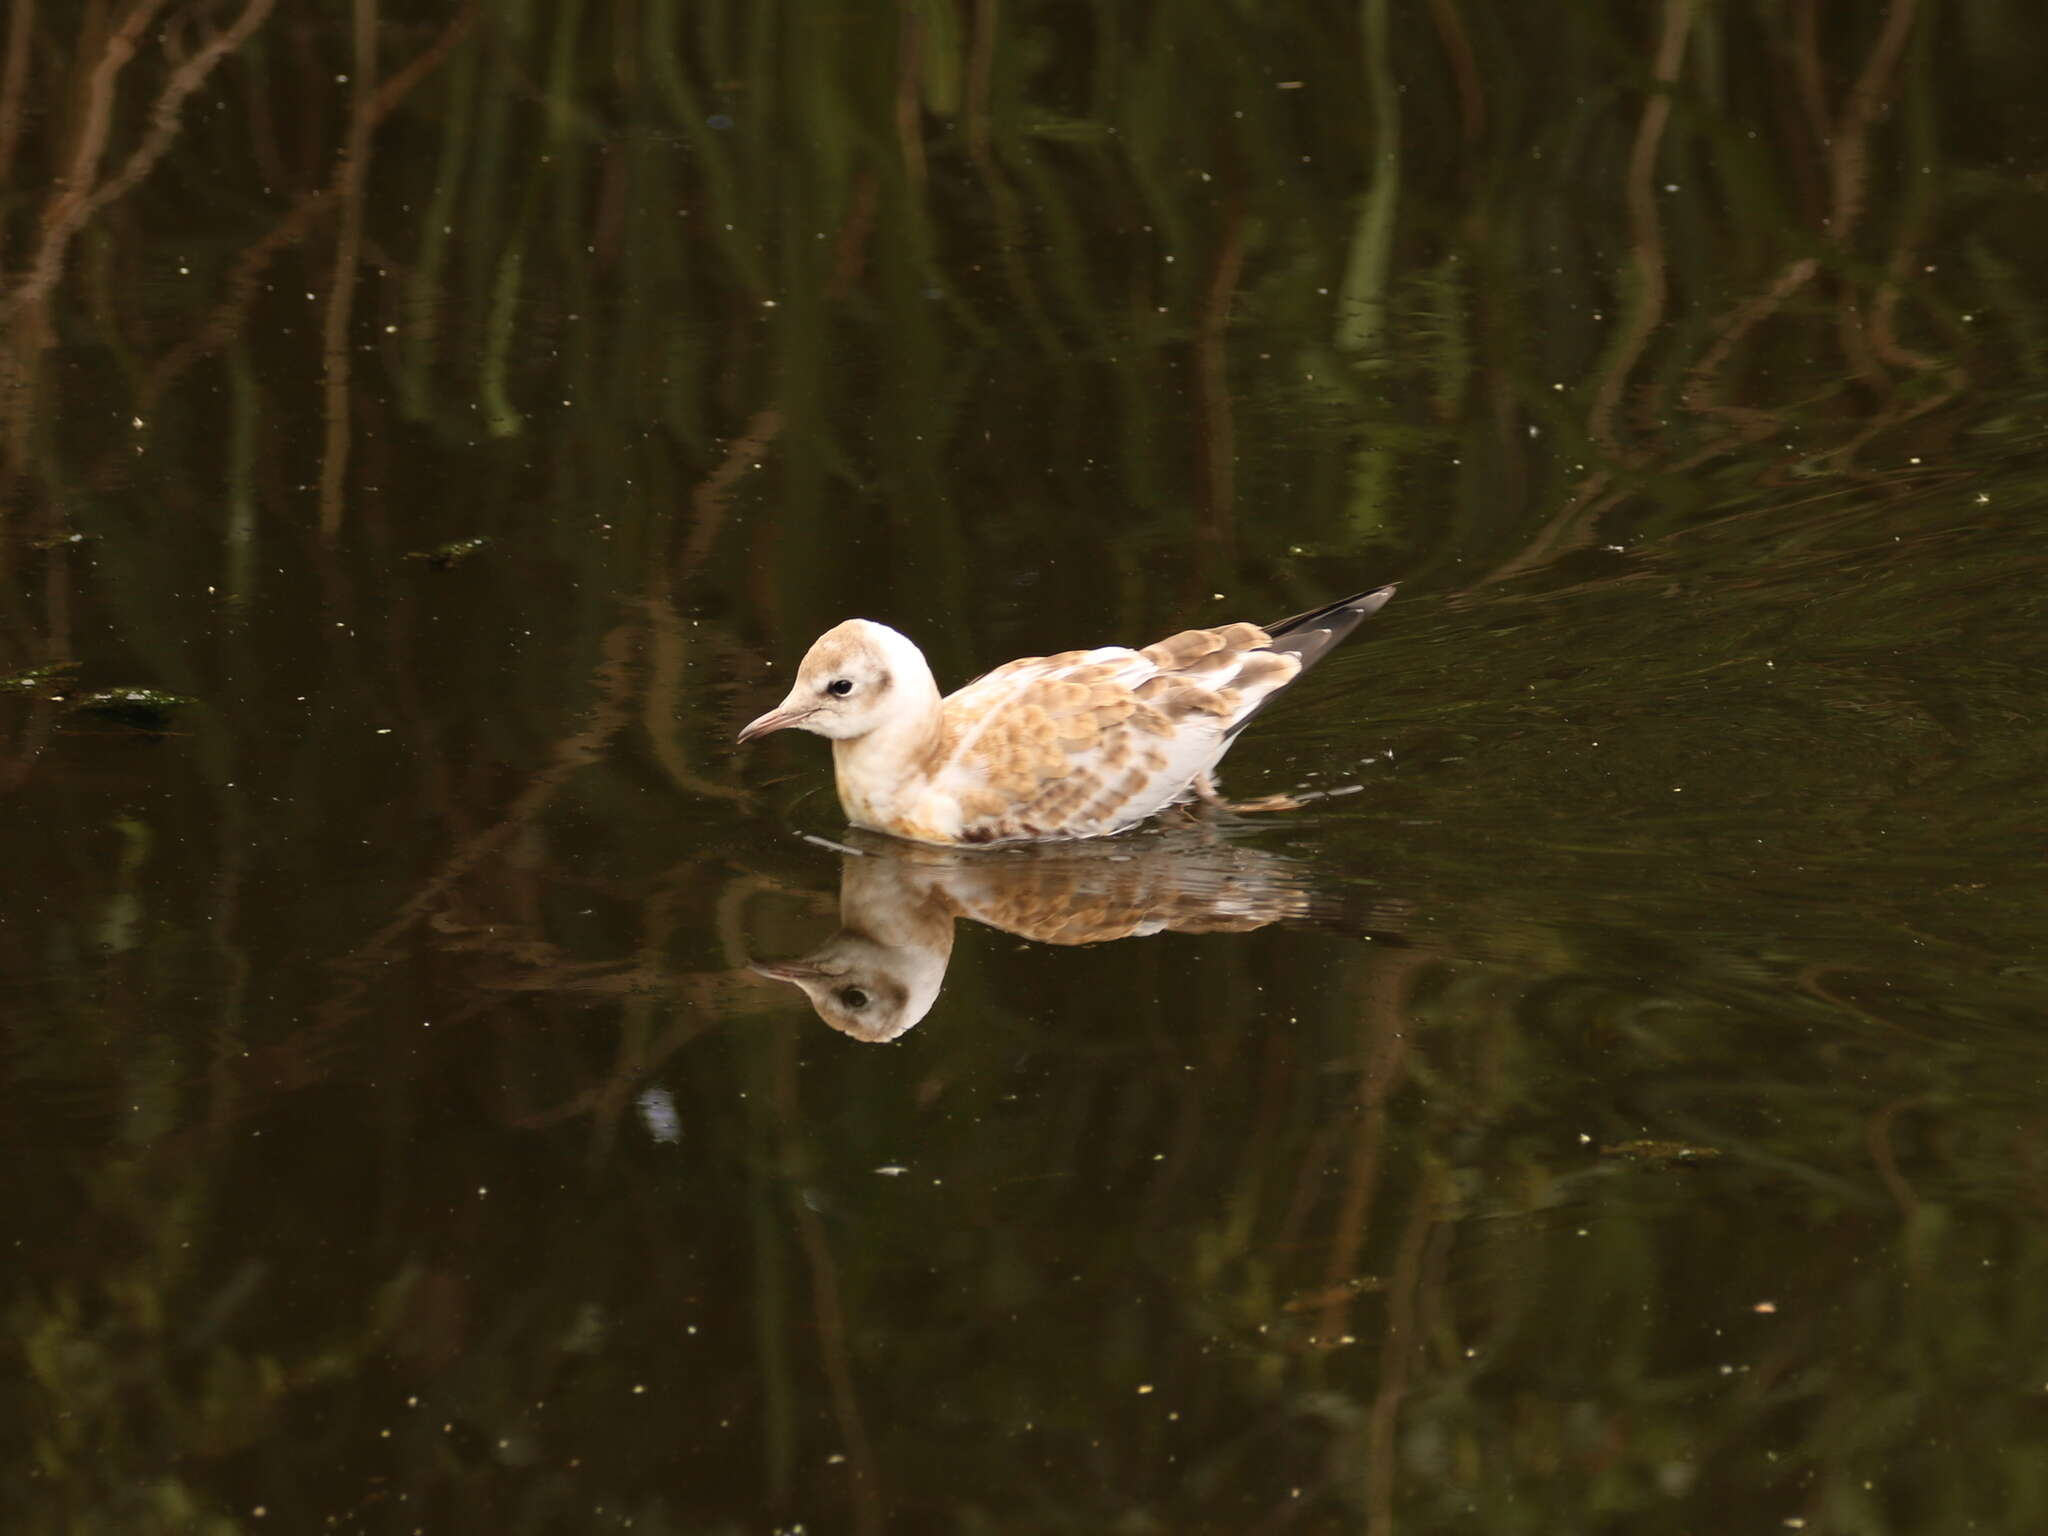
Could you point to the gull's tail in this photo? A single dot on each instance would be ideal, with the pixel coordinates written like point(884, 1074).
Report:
point(1313, 635)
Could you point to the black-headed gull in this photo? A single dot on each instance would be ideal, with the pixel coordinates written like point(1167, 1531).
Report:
point(1082, 744)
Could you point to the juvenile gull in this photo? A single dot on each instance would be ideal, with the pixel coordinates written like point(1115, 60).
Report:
point(1081, 744)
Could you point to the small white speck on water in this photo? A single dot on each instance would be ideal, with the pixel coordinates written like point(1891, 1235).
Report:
point(891, 1170)
point(1143, 1390)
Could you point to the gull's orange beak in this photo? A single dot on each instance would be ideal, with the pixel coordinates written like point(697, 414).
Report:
point(776, 720)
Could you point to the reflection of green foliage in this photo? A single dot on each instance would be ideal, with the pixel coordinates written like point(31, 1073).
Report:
point(148, 709)
point(37, 679)
point(1002, 320)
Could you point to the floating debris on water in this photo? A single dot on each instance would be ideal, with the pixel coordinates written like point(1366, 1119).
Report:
point(1650, 1150)
point(445, 556)
point(1333, 1295)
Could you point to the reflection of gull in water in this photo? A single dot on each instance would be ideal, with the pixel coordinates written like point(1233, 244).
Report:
point(882, 971)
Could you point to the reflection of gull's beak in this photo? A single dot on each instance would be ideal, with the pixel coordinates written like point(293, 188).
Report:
point(786, 970)
point(776, 720)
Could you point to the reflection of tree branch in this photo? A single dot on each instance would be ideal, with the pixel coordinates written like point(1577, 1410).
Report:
point(1002, 197)
point(341, 287)
point(1386, 1055)
point(1645, 308)
point(80, 199)
point(225, 320)
point(1402, 1342)
point(1702, 388)
point(1877, 1138)
point(708, 504)
point(607, 714)
point(1215, 430)
point(224, 323)
point(617, 682)
point(909, 125)
point(1457, 41)
point(1848, 167)
point(21, 20)
point(668, 651)
point(1850, 161)
point(26, 309)
point(1363, 297)
point(1703, 378)
point(827, 1303)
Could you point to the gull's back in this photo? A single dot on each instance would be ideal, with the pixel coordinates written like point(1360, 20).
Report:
point(1087, 743)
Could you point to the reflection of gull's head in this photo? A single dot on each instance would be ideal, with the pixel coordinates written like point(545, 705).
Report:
point(864, 988)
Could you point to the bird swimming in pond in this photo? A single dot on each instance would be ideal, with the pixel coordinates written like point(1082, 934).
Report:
point(1082, 744)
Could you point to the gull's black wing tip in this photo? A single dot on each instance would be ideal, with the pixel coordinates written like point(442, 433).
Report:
point(1314, 634)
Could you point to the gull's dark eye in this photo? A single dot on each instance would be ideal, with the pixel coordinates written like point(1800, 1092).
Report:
point(853, 997)
point(839, 687)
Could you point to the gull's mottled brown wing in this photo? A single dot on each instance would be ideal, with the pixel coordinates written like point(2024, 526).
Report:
point(1088, 742)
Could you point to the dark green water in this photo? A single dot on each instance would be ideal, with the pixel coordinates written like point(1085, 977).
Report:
point(1627, 1113)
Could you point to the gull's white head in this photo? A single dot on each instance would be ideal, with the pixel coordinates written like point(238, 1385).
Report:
point(856, 678)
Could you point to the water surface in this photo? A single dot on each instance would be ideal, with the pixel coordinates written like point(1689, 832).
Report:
point(427, 440)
